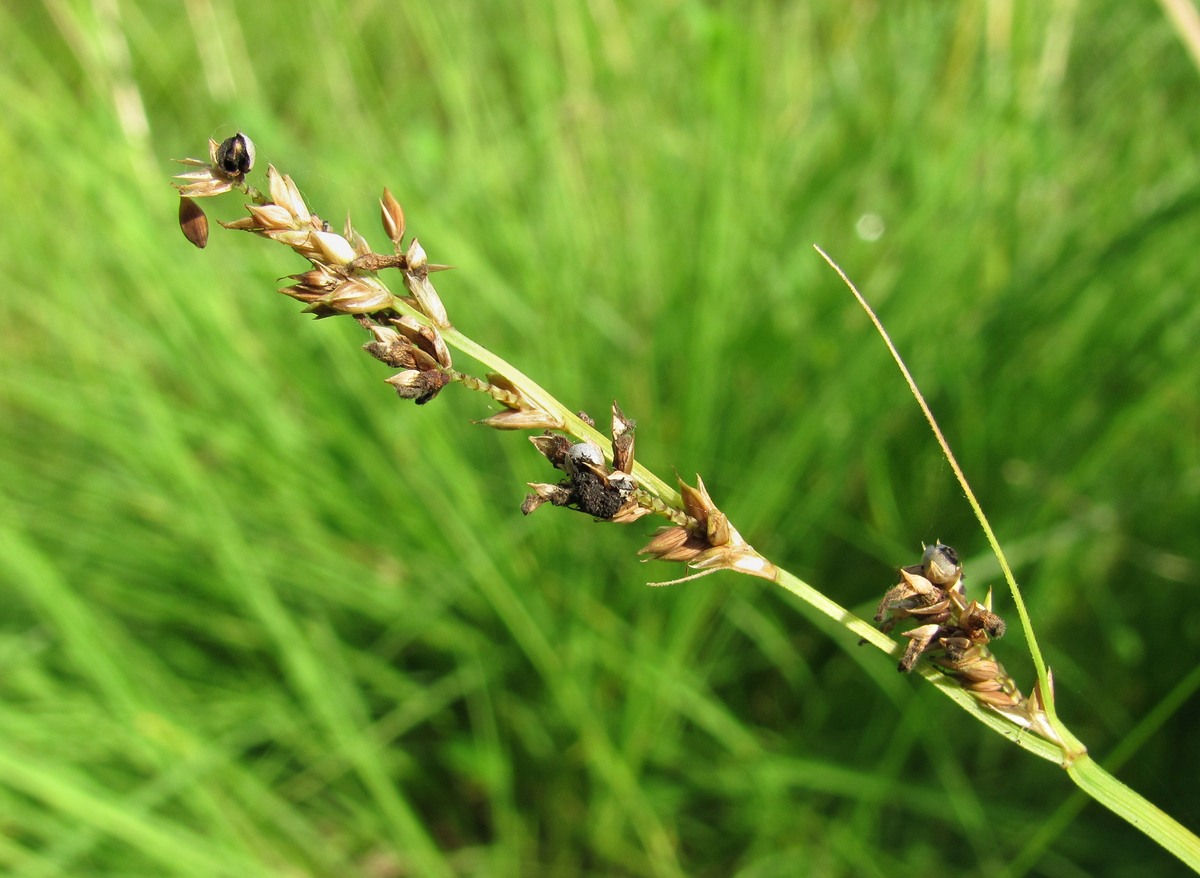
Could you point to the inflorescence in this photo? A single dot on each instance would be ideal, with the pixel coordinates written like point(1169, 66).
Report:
point(408, 332)
point(955, 633)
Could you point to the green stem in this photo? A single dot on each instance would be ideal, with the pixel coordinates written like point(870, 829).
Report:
point(1090, 777)
point(499, 394)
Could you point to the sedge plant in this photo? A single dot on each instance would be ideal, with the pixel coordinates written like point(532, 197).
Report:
point(412, 332)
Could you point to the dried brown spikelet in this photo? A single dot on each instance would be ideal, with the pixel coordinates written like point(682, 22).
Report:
point(193, 222)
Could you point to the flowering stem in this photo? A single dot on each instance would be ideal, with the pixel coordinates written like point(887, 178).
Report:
point(414, 332)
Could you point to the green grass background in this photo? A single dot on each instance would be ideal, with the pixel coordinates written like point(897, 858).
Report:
point(263, 619)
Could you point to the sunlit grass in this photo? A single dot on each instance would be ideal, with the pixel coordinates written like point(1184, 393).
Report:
point(263, 619)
